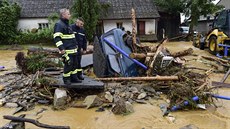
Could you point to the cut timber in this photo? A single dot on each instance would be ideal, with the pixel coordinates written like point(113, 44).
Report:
point(140, 55)
point(220, 84)
point(182, 53)
point(221, 61)
point(225, 76)
point(134, 38)
point(35, 122)
point(156, 78)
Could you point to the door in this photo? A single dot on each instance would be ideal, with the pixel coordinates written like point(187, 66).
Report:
point(141, 27)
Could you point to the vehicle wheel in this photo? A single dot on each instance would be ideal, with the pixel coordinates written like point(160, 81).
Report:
point(99, 60)
point(212, 45)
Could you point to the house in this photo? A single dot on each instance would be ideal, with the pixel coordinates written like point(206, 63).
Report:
point(34, 13)
point(118, 15)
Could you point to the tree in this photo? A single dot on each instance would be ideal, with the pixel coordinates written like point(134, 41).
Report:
point(9, 15)
point(89, 11)
point(192, 9)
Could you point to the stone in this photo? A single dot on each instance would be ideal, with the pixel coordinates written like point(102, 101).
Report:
point(1, 87)
point(141, 101)
point(11, 105)
point(129, 107)
point(171, 118)
point(2, 102)
point(92, 101)
point(150, 89)
point(119, 107)
point(60, 99)
point(190, 126)
point(142, 95)
point(109, 97)
point(134, 90)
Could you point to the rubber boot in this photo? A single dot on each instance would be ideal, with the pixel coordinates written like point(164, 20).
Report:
point(67, 80)
point(75, 79)
point(80, 76)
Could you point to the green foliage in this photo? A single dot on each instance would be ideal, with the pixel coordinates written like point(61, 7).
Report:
point(9, 15)
point(89, 10)
point(191, 8)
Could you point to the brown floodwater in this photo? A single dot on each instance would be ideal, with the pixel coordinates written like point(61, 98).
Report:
point(146, 116)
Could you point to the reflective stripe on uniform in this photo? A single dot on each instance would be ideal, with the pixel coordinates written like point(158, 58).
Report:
point(75, 71)
point(59, 43)
point(79, 70)
point(81, 34)
point(68, 36)
point(58, 34)
point(71, 51)
point(67, 74)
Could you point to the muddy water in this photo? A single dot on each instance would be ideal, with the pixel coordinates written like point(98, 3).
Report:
point(147, 116)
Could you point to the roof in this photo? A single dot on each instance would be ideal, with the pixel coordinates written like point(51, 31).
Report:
point(118, 9)
point(121, 9)
point(41, 8)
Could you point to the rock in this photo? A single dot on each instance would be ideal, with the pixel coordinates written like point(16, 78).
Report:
point(142, 95)
point(164, 110)
point(134, 90)
point(60, 99)
point(11, 105)
point(109, 97)
point(1, 87)
point(119, 107)
point(171, 118)
point(92, 101)
point(149, 89)
point(129, 107)
point(141, 101)
point(2, 102)
point(190, 126)
point(1, 95)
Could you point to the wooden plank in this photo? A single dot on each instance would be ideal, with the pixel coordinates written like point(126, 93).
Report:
point(220, 84)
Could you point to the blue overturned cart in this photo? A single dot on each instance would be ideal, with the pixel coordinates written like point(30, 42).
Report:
point(111, 56)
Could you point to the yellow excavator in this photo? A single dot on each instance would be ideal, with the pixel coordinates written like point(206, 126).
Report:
point(218, 38)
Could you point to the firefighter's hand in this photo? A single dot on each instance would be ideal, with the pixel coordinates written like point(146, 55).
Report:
point(62, 52)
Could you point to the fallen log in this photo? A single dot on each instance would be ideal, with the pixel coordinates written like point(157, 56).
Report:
point(218, 60)
point(35, 122)
point(182, 53)
point(156, 78)
point(140, 55)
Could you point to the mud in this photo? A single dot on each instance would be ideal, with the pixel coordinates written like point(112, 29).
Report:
point(147, 116)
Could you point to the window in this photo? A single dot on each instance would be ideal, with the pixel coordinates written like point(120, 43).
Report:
point(119, 25)
point(43, 25)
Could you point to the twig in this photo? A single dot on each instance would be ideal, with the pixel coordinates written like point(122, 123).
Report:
point(35, 122)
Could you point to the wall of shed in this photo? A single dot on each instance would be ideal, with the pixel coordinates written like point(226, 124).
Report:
point(30, 23)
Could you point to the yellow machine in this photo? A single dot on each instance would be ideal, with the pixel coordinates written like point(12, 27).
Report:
point(220, 34)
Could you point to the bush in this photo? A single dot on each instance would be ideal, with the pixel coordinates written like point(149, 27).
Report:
point(9, 15)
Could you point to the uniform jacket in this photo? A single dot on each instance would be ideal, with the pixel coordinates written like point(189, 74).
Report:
point(80, 37)
point(64, 37)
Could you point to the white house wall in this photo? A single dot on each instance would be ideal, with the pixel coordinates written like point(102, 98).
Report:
point(150, 25)
point(30, 23)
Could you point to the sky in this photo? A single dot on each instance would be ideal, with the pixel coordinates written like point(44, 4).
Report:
point(182, 17)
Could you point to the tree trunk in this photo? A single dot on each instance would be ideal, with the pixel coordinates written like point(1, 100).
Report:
point(182, 53)
point(156, 78)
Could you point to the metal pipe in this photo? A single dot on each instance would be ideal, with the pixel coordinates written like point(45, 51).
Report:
point(125, 54)
point(221, 97)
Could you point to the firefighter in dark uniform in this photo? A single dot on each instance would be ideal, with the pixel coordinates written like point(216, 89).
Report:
point(82, 43)
point(64, 39)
